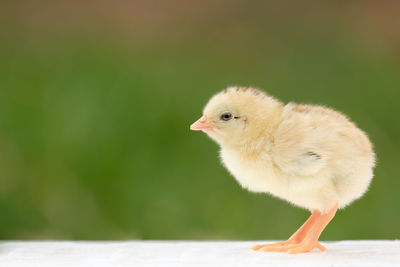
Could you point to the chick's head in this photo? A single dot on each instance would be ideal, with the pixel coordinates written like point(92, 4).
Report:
point(236, 114)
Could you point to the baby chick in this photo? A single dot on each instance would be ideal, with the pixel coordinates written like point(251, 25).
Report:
point(311, 156)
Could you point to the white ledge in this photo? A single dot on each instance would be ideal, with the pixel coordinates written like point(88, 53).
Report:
point(191, 253)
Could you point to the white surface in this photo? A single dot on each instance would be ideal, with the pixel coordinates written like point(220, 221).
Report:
point(191, 253)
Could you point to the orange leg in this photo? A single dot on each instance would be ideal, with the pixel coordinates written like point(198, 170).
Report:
point(306, 238)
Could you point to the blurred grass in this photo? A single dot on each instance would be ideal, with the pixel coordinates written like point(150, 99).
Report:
point(95, 141)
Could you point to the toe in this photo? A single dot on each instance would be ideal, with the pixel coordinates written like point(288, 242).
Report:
point(306, 247)
point(320, 247)
point(279, 248)
point(257, 247)
point(277, 245)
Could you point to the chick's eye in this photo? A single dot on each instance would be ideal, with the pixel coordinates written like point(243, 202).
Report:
point(226, 116)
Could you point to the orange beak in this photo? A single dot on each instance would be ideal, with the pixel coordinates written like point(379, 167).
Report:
point(201, 124)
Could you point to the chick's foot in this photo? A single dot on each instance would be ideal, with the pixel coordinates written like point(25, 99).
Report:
point(306, 238)
point(295, 239)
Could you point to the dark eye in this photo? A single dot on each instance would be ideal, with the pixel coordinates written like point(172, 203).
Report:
point(226, 116)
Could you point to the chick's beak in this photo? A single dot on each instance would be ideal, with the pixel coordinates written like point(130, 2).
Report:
point(201, 124)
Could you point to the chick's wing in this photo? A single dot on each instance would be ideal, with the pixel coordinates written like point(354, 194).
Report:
point(301, 144)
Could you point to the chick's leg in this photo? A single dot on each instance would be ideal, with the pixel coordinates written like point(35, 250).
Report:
point(296, 238)
point(311, 239)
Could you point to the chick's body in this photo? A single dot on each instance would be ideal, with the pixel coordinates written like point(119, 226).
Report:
point(311, 156)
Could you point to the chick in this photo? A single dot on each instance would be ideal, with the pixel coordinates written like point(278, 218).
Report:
point(311, 156)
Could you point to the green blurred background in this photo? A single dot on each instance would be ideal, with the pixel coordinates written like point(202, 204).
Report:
point(96, 99)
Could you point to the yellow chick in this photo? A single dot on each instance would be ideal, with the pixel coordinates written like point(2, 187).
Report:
point(311, 156)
